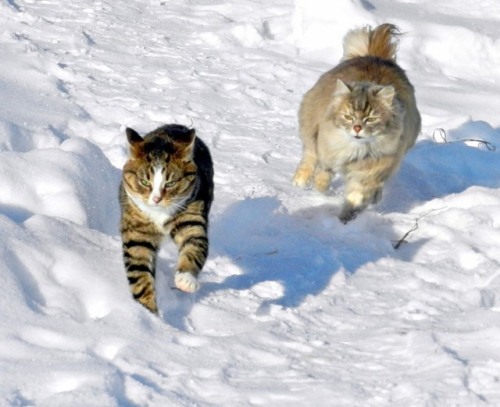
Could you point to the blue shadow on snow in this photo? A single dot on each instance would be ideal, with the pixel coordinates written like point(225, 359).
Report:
point(302, 251)
point(433, 170)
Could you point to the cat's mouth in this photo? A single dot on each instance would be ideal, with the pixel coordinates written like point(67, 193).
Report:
point(366, 139)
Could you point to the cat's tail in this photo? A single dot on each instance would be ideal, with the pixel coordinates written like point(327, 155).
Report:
point(379, 42)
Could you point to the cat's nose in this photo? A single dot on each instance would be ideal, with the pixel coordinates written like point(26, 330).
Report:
point(357, 128)
point(156, 199)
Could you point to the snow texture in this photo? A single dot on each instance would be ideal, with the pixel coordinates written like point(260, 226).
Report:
point(294, 308)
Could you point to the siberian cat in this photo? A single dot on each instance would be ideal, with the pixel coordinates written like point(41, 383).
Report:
point(359, 120)
point(166, 188)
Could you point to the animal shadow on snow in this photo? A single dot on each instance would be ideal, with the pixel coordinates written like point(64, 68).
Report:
point(299, 252)
point(436, 169)
point(174, 304)
point(285, 257)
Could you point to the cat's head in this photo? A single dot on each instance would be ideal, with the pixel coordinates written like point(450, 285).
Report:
point(160, 171)
point(365, 110)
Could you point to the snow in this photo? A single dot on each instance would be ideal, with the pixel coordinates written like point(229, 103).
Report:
point(294, 308)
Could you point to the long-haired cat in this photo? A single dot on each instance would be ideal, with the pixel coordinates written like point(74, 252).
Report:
point(359, 120)
point(166, 189)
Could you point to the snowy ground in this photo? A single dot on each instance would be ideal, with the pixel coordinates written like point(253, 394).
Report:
point(295, 308)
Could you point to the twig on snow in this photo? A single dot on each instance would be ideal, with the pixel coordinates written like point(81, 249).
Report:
point(440, 136)
point(398, 244)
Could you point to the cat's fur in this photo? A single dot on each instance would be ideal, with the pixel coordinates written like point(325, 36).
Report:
point(166, 189)
point(359, 120)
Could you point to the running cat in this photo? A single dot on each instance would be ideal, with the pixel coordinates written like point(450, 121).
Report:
point(359, 120)
point(166, 189)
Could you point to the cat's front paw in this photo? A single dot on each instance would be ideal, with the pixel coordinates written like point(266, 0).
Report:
point(302, 175)
point(322, 180)
point(186, 282)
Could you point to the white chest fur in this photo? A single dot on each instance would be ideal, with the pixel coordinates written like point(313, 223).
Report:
point(158, 214)
point(338, 147)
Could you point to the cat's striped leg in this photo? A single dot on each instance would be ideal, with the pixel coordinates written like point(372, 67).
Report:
point(189, 232)
point(139, 255)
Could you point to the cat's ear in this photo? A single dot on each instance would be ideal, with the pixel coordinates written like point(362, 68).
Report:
point(135, 141)
point(132, 136)
point(386, 95)
point(185, 143)
point(341, 88)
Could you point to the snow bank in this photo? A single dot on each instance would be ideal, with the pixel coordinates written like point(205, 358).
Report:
point(74, 182)
point(461, 53)
point(295, 308)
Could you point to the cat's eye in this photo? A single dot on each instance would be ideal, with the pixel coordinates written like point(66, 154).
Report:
point(370, 119)
point(170, 184)
point(145, 182)
point(348, 117)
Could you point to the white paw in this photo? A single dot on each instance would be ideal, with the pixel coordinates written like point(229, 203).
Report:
point(302, 176)
point(299, 180)
point(298, 183)
point(355, 198)
point(186, 282)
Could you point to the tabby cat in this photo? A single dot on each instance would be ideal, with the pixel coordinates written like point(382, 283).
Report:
point(166, 188)
point(359, 120)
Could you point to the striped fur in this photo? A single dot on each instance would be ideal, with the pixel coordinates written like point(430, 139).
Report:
point(166, 189)
point(359, 120)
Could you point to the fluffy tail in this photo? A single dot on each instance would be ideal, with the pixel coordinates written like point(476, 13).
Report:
point(380, 42)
